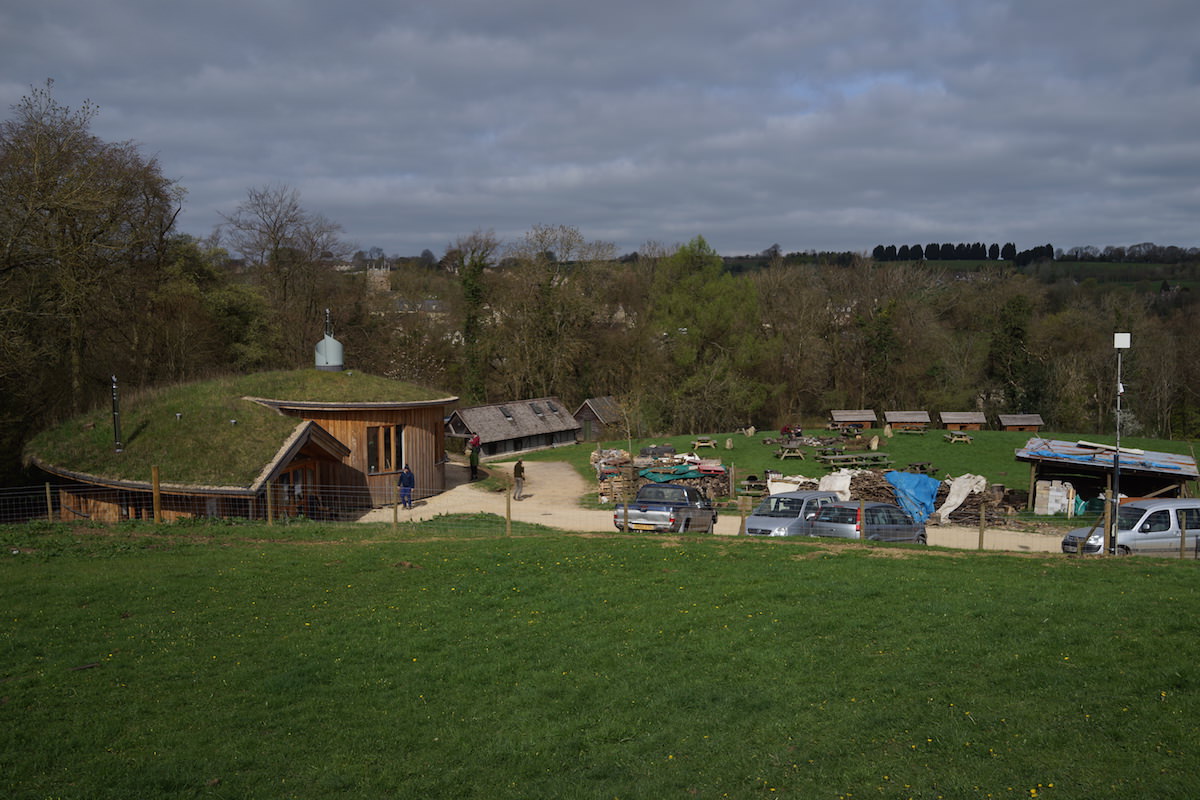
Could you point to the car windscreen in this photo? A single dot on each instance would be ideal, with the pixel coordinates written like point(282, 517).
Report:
point(779, 507)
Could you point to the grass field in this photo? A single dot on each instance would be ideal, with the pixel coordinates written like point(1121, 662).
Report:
point(447, 660)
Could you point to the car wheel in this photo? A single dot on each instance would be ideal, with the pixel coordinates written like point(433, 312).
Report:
point(1122, 550)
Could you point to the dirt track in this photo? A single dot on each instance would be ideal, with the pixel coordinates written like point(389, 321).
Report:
point(553, 489)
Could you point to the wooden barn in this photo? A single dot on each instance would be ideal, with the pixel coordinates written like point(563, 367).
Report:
point(962, 420)
point(907, 420)
point(514, 427)
point(1089, 468)
point(241, 447)
point(849, 418)
point(599, 418)
point(1021, 422)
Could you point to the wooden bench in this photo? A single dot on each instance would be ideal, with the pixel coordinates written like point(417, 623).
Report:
point(789, 451)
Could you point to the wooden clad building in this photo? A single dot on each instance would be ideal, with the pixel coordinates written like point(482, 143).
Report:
point(860, 418)
point(231, 448)
point(515, 426)
point(907, 420)
point(1021, 422)
point(599, 418)
point(962, 420)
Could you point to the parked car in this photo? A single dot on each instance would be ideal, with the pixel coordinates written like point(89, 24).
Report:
point(881, 522)
point(667, 507)
point(787, 513)
point(1145, 527)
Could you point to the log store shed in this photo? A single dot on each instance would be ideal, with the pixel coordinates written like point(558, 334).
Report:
point(513, 427)
point(1089, 468)
point(312, 442)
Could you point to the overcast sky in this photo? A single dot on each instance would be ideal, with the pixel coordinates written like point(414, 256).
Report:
point(815, 125)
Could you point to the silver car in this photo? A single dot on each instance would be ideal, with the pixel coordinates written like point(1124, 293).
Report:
point(787, 513)
point(881, 522)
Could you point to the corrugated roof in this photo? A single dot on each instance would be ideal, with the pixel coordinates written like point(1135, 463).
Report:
point(1099, 458)
point(501, 421)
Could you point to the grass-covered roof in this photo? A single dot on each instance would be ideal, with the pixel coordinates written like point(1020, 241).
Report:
point(201, 447)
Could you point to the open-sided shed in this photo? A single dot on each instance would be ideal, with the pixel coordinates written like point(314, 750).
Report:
point(1089, 468)
point(962, 420)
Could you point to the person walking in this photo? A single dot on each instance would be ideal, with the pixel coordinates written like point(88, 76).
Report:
point(474, 458)
point(407, 482)
point(518, 479)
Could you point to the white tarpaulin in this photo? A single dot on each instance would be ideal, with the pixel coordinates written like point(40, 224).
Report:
point(960, 488)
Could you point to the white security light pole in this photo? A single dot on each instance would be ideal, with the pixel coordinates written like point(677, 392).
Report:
point(1120, 343)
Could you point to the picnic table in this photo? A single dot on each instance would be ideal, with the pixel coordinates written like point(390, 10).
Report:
point(874, 460)
point(954, 437)
point(922, 467)
point(789, 450)
point(919, 431)
point(704, 441)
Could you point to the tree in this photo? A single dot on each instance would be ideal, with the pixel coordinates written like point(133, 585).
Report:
point(994, 252)
point(290, 253)
point(467, 259)
point(83, 224)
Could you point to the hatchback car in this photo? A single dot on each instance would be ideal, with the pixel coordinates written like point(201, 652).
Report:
point(881, 522)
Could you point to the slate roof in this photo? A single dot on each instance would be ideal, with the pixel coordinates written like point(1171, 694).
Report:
point(1020, 419)
point(606, 409)
point(906, 417)
point(962, 417)
point(847, 416)
point(502, 421)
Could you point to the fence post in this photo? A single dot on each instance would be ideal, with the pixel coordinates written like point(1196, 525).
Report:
point(157, 502)
point(508, 512)
point(270, 503)
point(982, 519)
point(49, 504)
point(1183, 517)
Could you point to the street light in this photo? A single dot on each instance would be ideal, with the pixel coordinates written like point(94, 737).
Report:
point(1120, 343)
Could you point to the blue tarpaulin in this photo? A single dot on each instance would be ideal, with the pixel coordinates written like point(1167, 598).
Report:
point(915, 493)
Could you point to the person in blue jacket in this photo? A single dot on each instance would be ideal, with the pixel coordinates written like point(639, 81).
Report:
point(407, 482)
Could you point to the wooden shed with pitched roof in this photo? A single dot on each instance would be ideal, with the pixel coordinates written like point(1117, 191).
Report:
point(962, 420)
point(1021, 422)
point(515, 426)
point(599, 418)
point(907, 420)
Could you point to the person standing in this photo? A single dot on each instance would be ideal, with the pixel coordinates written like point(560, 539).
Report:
point(518, 479)
point(474, 458)
point(407, 482)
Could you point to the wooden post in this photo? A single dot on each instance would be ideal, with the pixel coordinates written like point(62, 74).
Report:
point(270, 503)
point(982, 519)
point(508, 511)
point(395, 506)
point(49, 504)
point(1107, 538)
point(156, 493)
point(1032, 484)
point(1183, 515)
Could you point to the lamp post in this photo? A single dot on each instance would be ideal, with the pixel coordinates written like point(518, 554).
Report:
point(1120, 343)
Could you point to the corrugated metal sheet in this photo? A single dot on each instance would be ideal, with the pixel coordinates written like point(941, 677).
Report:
point(1100, 458)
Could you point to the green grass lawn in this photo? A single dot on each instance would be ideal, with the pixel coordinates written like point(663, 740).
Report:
point(318, 661)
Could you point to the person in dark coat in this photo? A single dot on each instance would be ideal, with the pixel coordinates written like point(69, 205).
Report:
point(518, 479)
point(407, 482)
point(474, 458)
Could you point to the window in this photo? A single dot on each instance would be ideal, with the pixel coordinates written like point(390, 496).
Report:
point(551, 406)
point(507, 413)
point(537, 410)
point(385, 448)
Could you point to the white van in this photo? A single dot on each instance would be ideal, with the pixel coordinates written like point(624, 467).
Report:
point(1145, 527)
